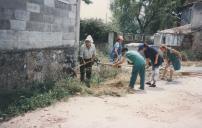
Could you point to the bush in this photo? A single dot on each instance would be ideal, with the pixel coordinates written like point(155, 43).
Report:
point(38, 96)
point(191, 55)
point(96, 28)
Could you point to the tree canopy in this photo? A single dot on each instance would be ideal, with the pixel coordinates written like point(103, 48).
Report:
point(87, 1)
point(96, 28)
point(145, 16)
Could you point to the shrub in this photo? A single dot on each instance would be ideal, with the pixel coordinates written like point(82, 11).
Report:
point(191, 55)
point(96, 28)
point(38, 96)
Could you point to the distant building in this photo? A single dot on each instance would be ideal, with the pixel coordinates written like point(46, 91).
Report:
point(189, 35)
point(38, 40)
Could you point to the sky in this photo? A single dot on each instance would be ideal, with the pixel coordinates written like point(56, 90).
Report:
point(98, 9)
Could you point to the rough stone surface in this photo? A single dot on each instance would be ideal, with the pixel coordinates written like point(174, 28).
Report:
point(22, 15)
point(18, 25)
point(27, 27)
point(50, 3)
point(31, 16)
point(6, 13)
point(20, 68)
point(33, 7)
point(5, 24)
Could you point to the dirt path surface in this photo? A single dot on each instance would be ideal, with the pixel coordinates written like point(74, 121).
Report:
point(171, 105)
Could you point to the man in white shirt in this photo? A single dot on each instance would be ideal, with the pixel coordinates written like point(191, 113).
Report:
point(87, 56)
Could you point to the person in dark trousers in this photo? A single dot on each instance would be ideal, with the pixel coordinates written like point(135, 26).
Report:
point(115, 54)
point(87, 57)
point(173, 61)
point(154, 59)
point(138, 62)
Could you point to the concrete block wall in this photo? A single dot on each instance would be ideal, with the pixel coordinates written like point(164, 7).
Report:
point(37, 23)
point(37, 30)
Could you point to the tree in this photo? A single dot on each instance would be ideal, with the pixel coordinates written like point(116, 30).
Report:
point(145, 16)
point(96, 28)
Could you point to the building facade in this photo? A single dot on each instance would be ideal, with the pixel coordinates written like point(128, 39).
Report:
point(189, 34)
point(38, 40)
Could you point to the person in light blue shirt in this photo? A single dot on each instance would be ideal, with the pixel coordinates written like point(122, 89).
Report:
point(115, 54)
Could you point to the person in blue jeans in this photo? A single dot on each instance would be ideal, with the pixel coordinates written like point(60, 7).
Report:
point(138, 62)
point(154, 59)
point(115, 54)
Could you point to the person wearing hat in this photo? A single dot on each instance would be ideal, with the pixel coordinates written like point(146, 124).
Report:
point(115, 54)
point(87, 56)
point(138, 62)
point(154, 59)
point(173, 62)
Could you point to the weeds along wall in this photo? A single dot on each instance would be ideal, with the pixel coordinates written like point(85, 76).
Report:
point(38, 39)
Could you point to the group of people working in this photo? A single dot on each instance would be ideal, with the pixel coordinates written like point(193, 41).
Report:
point(144, 56)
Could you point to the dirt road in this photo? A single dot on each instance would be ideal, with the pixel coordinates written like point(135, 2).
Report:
point(171, 105)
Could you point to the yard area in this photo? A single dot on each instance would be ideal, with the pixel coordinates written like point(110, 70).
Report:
point(174, 104)
point(68, 63)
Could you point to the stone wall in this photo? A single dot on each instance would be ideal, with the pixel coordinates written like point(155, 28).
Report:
point(20, 68)
point(38, 38)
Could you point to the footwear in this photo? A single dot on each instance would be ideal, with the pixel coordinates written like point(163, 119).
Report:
point(153, 85)
point(148, 83)
point(163, 78)
point(141, 88)
point(169, 80)
point(131, 90)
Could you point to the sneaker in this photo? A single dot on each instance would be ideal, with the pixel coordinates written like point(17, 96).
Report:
point(148, 83)
point(141, 88)
point(153, 85)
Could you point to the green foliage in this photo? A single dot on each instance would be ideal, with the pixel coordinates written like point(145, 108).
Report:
point(145, 16)
point(96, 28)
point(108, 72)
point(72, 85)
point(191, 55)
point(87, 1)
point(38, 96)
point(105, 73)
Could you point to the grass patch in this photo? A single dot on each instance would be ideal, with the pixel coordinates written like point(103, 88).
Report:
point(103, 73)
point(13, 103)
point(191, 55)
point(40, 95)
